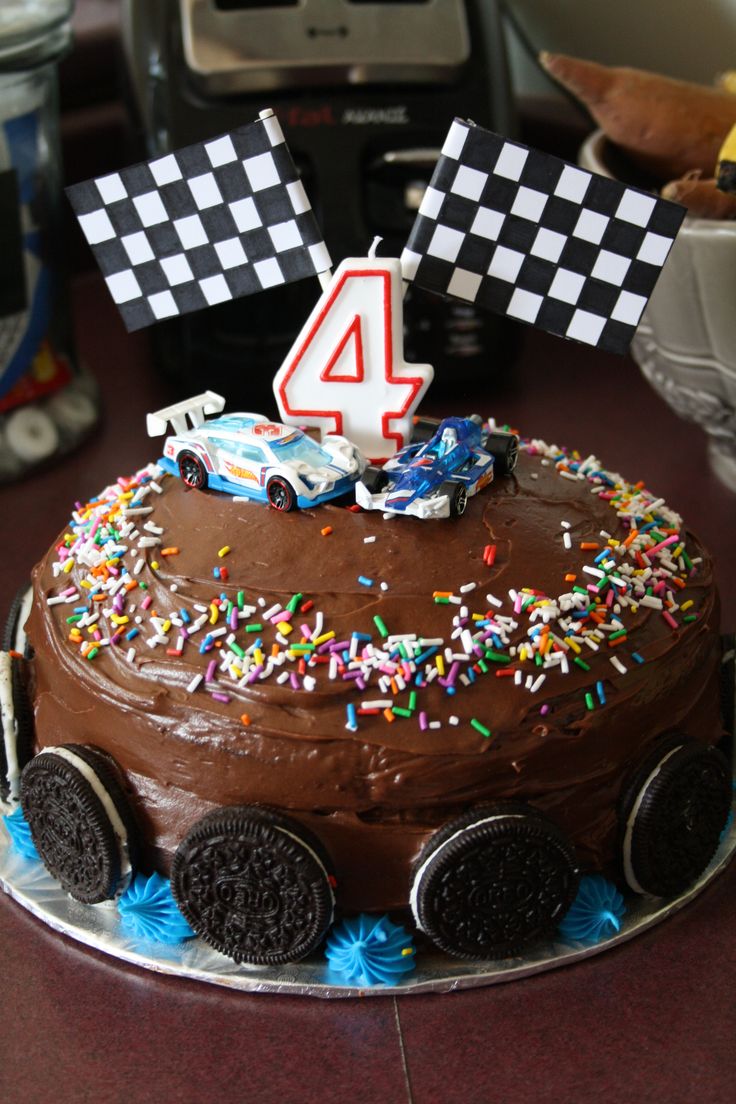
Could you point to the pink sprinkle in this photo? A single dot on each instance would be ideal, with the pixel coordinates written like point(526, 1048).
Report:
point(306, 631)
point(211, 668)
point(220, 697)
point(68, 591)
point(517, 603)
point(423, 722)
point(452, 673)
point(669, 619)
point(609, 598)
point(360, 683)
point(146, 602)
point(294, 681)
point(544, 710)
point(663, 544)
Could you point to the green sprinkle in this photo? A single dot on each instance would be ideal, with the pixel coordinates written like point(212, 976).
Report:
point(400, 712)
point(294, 602)
point(237, 649)
point(580, 590)
point(378, 622)
point(483, 666)
point(304, 648)
point(485, 732)
point(686, 560)
point(691, 617)
point(581, 663)
point(413, 700)
point(441, 601)
point(497, 657)
point(73, 620)
point(538, 659)
point(143, 586)
point(617, 635)
point(589, 701)
point(92, 653)
point(254, 626)
point(240, 599)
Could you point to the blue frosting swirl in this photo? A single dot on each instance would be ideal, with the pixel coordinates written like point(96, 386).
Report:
point(596, 912)
point(370, 951)
point(148, 910)
point(20, 834)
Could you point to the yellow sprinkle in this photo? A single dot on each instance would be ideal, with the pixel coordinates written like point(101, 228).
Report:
point(236, 671)
point(118, 620)
point(154, 565)
point(325, 636)
point(86, 584)
point(477, 616)
point(571, 643)
point(258, 656)
point(165, 627)
point(214, 614)
point(224, 550)
point(407, 951)
point(68, 566)
point(687, 605)
point(439, 663)
point(284, 627)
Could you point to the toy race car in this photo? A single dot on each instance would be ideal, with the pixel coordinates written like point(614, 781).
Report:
point(246, 454)
point(434, 477)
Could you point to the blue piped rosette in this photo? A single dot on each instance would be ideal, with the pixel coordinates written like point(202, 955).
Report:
point(148, 911)
point(20, 834)
point(368, 951)
point(596, 912)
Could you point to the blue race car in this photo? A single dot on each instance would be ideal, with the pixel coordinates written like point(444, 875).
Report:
point(434, 478)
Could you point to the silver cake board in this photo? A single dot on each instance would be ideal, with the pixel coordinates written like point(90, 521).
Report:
point(99, 926)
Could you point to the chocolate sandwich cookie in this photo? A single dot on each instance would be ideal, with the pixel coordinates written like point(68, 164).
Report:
point(493, 880)
point(14, 637)
point(80, 821)
point(255, 884)
point(672, 814)
point(16, 725)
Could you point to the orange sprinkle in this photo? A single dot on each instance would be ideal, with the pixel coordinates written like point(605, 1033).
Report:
point(326, 531)
point(570, 578)
point(244, 718)
point(169, 551)
point(589, 546)
point(389, 714)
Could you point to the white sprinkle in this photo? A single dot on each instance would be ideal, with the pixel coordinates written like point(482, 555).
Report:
point(467, 587)
point(309, 682)
point(435, 724)
point(194, 683)
point(380, 703)
point(130, 655)
point(537, 683)
point(384, 586)
point(517, 678)
point(618, 665)
point(453, 720)
point(565, 524)
point(566, 540)
point(174, 587)
point(367, 540)
point(494, 601)
point(650, 600)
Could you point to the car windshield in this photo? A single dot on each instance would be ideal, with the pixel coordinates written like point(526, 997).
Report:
point(301, 447)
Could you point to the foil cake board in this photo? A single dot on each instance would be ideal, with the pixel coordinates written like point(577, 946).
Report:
point(99, 926)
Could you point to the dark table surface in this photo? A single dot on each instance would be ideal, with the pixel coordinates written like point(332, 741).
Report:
point(652, 1020)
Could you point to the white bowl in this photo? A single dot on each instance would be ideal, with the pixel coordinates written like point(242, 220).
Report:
point(686, 341)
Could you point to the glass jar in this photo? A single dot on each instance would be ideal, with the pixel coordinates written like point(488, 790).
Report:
point(46, 403)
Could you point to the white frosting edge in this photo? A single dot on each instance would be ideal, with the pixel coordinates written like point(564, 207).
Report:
point(10, 727)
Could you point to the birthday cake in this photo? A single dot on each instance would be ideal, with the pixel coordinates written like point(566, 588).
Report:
point(327, 712)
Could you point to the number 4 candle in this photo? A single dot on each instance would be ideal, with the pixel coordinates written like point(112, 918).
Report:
point(345, 372)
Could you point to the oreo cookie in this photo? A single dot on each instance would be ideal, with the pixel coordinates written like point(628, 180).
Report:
point(672, 814)
point(14, 637)
point(493, 880)
point(16, 725)
point(80, 821)
point(254, 884)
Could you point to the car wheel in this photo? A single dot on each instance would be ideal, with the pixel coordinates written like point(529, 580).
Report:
point(493, 880)
point(457, 495)
point(280, 495)
point(255, 884)
point(80, 821)
point(375, 479)
point(192, 471)
point(504, 447)
point(672, 815)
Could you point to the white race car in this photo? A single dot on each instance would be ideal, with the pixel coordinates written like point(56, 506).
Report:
point(246, 454)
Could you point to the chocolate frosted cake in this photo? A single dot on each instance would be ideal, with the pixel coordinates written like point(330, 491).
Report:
point(330, 711)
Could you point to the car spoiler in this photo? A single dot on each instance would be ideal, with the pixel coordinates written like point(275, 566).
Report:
point(176, 414)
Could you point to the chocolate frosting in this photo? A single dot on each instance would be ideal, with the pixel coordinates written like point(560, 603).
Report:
point(375, 794)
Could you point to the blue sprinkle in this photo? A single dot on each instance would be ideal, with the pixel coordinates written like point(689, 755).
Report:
point(426, 654)
point(352, 717)
point(365, 581)
point(184, 616)
point(637, 657)
point(216, 572)
point(132, 634)
point(451, 690)
point(601, 693)
point(361, 636)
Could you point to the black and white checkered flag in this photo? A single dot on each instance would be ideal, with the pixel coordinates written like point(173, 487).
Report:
point(528, 235)
point(211, 222)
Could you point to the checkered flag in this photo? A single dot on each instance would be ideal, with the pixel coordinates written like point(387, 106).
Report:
point(208, 223)
point(528, 235)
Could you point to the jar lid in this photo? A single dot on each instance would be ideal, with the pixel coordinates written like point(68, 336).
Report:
point(33, 31)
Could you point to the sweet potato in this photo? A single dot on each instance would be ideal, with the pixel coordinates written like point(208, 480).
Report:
point(701, 197)
point(665, 126)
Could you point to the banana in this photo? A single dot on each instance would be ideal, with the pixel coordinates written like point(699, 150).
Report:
point(726, 164)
